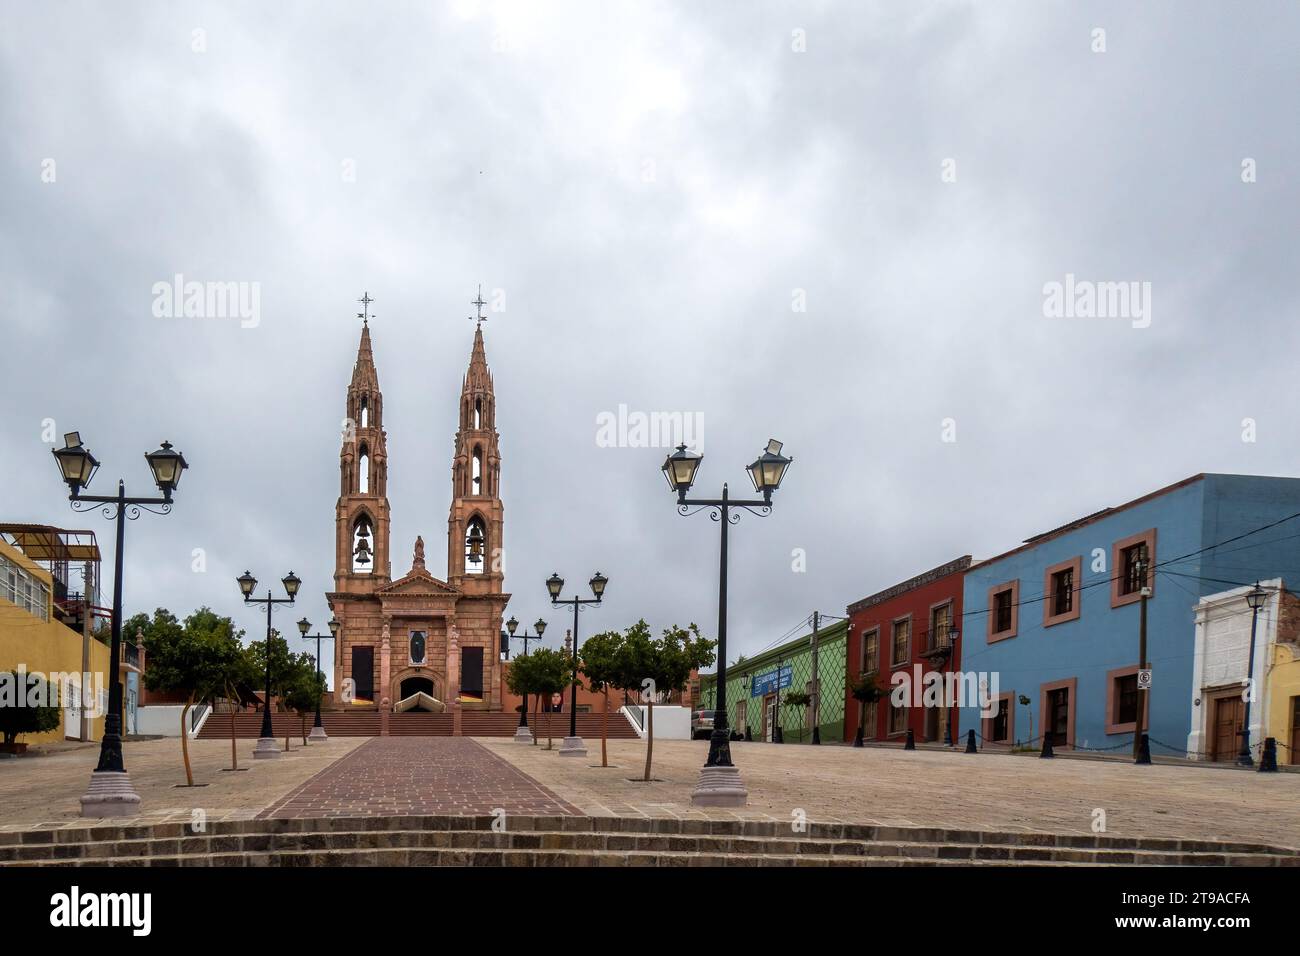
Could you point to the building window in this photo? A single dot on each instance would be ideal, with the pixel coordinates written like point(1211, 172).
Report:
point(1061, 592)
point(1004, 612)
point(1126, 700)
point(1126, 583)
point(22, 589)
point(899, 643)
point(362, 546)
point(476, 546)
point(897, 719)
point(871, 651)
point(940, 620)
point(1131, 577)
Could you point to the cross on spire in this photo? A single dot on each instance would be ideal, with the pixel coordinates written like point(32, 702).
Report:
point(479, 302)
point(365, 301)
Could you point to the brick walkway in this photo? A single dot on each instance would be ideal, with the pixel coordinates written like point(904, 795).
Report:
point(394, 776)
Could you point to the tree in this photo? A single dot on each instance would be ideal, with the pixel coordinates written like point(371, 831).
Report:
point(303, 694)
point(26, 707)
point(600, 654)
point(201, 658)
point(865, 691)
point(287, 669)
point(657, 668)
point(797, 699)
point(546, 672)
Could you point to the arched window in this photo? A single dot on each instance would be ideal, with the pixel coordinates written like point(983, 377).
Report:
point(477, 487)
point(363, 559)
point(365, 412)
point(363, 470)
point(476, 547)
point(478, 413)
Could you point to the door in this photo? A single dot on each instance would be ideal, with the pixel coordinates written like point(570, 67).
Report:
point(1228, 714)
point(363, 673)
point(1295, 731)
point(72, 711)
point(471, 673)
point(932, 723)
point(1058, 716)
point(769, 717)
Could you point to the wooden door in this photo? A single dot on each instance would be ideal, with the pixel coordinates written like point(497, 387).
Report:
point(1294, 753)
point(1058, 716)
point(1228, 713)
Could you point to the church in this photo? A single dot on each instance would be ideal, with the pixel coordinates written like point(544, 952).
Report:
point(418, 642)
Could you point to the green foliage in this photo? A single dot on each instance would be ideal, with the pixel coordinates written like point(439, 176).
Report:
point(552, 671)
point(797, 698)
point(600, 659)
point(16, 719)
point(661, 666)
point(865, 689)
point(304, 691)
point(201, 657)
point(288, 670)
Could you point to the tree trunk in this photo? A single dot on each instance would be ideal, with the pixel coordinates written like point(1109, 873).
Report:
point(234, 754)
point(537, 727)
point(304, 729)
point(650, 736)
point(604, 732)
point(185, 740)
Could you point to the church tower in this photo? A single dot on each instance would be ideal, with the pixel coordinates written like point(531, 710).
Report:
point(362, 515)
point(475, 562)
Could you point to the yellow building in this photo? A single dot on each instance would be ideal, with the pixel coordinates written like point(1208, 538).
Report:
point(36, 612)
point(1283, 693)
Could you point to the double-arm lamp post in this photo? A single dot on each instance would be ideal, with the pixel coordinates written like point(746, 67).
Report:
point(110, 793)
point(719, 784)
point(572, 745)
point(522, 734)
point(266, 746)
point(318, 729)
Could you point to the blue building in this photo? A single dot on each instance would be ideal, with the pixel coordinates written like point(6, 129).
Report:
point(1056, 620)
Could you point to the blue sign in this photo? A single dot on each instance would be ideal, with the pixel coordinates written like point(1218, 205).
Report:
point(769, 683)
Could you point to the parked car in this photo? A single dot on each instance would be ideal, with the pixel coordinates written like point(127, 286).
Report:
point(701, 724)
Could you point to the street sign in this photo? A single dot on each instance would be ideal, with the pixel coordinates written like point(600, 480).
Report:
point(1144, 679)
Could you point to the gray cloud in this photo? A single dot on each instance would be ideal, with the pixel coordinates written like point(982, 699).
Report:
point(511, 144)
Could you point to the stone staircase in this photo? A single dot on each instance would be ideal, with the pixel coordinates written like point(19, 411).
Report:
point(365, 723)
point(598, 841)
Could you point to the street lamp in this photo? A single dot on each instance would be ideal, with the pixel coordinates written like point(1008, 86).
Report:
point(318, 728)
point(572, 745)
point(266, 746)
point(954, 634)
point(719, 784)
point(110, 793)
point(522, 734)
point(1255, 599)
point(1141, 748)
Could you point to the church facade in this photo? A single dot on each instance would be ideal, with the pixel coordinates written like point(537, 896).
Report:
point(418, 641)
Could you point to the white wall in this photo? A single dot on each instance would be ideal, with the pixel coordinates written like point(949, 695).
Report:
point(1222, 651)
point(671, 722)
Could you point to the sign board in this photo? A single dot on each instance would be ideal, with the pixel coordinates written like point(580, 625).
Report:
point(771, 682)
point(1144, 679)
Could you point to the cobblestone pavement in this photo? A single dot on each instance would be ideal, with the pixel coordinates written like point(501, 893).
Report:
point(892, 787)
point(395, 776)
point(45, 790)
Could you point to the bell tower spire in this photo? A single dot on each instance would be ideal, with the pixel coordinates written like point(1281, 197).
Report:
point(474, 526)
point(362, 514)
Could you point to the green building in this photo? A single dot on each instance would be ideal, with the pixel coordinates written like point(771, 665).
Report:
point(757, 688)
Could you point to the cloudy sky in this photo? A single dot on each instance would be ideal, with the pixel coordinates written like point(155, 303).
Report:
point(828, 223)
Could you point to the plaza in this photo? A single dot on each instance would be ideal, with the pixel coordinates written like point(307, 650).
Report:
point(392, 778)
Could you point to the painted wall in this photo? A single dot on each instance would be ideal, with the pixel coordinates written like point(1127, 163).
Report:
point(48, 647)
point(1186, 519)
point(914, 604)
point(795, 655)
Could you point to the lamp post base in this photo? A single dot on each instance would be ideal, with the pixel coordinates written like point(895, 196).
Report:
point(318, 733)
point(573, 747)
point(523, 735)
point(110, 795)
point(719, 787)
point(266, 749)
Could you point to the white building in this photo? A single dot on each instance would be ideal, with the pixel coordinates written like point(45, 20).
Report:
point(1219, 685)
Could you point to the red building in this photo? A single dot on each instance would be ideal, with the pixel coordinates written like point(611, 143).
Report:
point(905, 628)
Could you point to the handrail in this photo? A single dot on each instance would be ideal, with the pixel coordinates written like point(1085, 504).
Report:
point(635, 715)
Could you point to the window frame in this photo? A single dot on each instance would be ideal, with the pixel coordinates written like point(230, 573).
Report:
point(906, 619)
point(1118, 598)
point(991, 635)
point(1075, 567)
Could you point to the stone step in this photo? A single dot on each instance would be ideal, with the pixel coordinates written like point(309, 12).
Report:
point(601, 843)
